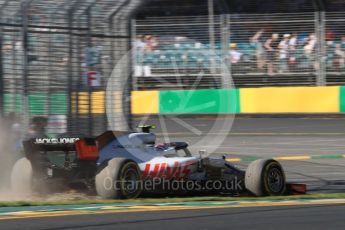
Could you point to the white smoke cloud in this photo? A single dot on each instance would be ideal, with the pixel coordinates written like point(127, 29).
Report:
point(8, 157)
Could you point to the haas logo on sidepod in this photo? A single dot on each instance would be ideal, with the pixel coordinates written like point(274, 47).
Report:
point(163, 170)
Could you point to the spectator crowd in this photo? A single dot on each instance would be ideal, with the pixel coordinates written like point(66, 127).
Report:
point(270, 53)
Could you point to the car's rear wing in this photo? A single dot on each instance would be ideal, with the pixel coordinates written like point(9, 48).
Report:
point(49, 144)
point(84, 147)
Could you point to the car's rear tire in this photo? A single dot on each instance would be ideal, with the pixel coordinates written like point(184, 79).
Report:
point(120, 179)
point(22, 178)
point(265, 177)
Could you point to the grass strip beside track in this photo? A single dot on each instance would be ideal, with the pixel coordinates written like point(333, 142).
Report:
point(169, 200)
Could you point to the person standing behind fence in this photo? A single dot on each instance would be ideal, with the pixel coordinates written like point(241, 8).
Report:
point(309, 51)
point(292, 51)
point(339, 54)
point(259, 53)
point(139, 46)
point(271, 47)
point(151, 43)
point(235, 55)
point(283, 53)
point(343, 42)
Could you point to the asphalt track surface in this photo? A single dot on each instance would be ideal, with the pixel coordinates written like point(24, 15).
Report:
point(292, 217)
point(267, 138)
point(258, 137)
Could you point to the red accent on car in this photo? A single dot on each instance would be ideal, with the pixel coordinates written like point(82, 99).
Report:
point(86, 151)
point(146, 170)
point(178, 171)
point(161, 171)
point(155, 171)
point(186, 169)
point(296, 189)
point(171, 171)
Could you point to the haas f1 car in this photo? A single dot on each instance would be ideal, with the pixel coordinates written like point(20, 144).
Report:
point(129, 164)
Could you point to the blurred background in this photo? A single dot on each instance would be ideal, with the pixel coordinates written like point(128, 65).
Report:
point(57, 56)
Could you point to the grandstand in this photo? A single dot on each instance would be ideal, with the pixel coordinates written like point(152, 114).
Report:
point(184, 48)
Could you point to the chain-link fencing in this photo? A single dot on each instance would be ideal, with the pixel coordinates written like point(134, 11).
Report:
point(56, 61)
point(273, 49)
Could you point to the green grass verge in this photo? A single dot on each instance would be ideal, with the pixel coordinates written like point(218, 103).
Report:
point(169, 200)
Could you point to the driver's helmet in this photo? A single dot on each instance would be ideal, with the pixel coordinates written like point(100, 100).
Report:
point(162, 147)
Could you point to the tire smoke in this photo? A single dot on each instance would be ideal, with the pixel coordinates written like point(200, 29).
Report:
point(9, 136)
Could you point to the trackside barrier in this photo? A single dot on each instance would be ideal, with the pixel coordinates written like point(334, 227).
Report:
point(247, 100)
point(328, 99)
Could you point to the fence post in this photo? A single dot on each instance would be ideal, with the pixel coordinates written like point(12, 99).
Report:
point(134, 52)
point(89, 87)
point(111, 67)
point(320, 49)
point(51, 70)
point(211, 32)
point(16, 72)
point(78, 86)
point(226, 62)
point(69, 68)
point(25, 67)
point(2, 91)
point(322, 43)
point(2, 106)
point(128, 96)
point(121, 119)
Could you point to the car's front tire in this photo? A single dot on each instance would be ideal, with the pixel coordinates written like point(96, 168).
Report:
point(265, 177)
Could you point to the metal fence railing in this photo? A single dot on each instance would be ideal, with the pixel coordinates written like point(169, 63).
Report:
point(56, 60)
point(257, 50)
point(334, 43)
point(177, 47)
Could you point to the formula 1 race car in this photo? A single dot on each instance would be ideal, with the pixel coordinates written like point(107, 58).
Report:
point(128, 164)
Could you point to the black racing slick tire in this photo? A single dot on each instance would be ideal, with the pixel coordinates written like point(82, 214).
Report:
point(120, 179)
point(22, 178)
point(265, 177)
